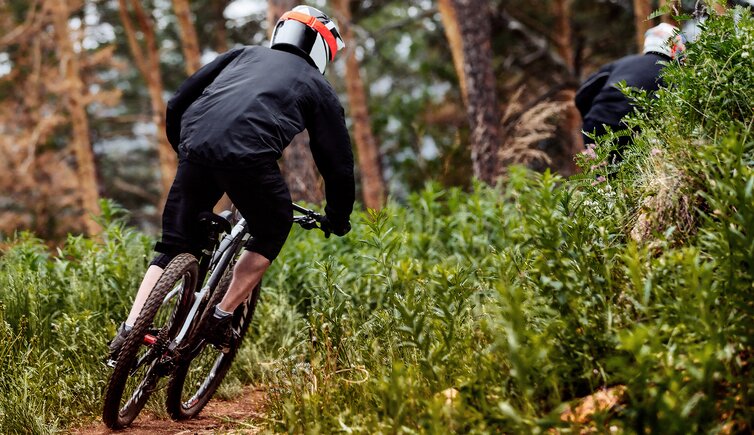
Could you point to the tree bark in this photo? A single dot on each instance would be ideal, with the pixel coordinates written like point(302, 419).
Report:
point(187, 33)
point(148, 62)
point(472, 17)
point(453, 35)
point(220, 42)
point(370, 165)
point(642, 9)
point(297, 164)
point(563, 35)
point(74, 95)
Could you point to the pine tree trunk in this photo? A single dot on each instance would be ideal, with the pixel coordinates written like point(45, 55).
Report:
point(642, 9)
point(453, 35)
point(187, 33)
point(220, 41)
point(571, 124)
point(370, 166)
point(148, 62)
point(33, 102)
point(74, 98)
point(297, 163)
point(472, 18)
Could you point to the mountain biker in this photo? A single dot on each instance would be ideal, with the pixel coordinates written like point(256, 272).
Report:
point(600, 101)
point(229, 123)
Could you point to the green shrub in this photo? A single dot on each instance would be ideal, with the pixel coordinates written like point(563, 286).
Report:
point(524, 303)
point(472, 312)
point(58, 312)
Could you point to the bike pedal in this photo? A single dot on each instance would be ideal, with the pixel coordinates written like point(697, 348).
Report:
point(111, 363)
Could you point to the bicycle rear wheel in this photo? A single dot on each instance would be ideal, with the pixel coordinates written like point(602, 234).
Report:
point(193, 383)
point(142, 359)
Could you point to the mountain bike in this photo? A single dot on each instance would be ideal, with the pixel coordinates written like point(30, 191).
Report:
point(166, 339)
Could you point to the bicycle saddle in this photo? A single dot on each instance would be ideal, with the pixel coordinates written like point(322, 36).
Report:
point(210, 219)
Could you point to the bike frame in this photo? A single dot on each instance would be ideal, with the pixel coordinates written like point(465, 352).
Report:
point(221, 258)
point(165, 354)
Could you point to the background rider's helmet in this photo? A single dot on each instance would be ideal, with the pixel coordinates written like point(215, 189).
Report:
point(665, 39)
point(308, 31)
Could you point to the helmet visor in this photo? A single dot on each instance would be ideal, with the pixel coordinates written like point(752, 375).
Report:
point(296, 34)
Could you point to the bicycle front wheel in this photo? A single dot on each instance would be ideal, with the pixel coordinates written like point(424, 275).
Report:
point(143, 357)
point(193, 383)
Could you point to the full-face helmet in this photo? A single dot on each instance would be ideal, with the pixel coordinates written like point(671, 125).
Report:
point(310, 32)
point(665, 39)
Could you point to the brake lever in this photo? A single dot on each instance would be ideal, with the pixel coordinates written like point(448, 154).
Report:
point(308, 223)
point(310, 220)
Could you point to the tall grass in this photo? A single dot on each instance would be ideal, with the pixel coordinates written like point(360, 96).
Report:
point(472, 312)
point(57, 311)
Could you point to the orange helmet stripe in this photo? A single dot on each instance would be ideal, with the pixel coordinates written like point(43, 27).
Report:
point(317, 25)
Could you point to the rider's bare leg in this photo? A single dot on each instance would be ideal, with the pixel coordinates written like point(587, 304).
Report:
point(147, 284)
point(248, 272)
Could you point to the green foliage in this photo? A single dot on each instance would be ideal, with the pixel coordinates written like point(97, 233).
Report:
point(524, 303)
point(56, 314)
point(469, 312)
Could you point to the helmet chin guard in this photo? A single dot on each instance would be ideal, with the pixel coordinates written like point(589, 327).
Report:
point(309, 31)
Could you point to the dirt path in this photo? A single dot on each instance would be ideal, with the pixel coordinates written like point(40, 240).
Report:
point(218, 417)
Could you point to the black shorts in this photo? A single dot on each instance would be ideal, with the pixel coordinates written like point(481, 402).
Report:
point(259, 193)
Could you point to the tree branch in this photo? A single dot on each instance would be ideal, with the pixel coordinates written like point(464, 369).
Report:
point(28, 25)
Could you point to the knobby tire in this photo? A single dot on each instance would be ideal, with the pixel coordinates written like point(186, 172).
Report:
point(183, 266)
point(178, 409)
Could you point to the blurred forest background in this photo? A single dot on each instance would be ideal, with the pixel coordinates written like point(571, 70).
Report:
point(443, 90)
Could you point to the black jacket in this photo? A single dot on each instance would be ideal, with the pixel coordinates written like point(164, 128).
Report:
point(599, 99)
point(249, 103)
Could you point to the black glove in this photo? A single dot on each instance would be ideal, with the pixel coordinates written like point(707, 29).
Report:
point(332, 226)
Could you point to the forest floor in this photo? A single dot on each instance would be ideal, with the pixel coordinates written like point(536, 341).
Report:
point(220, 416)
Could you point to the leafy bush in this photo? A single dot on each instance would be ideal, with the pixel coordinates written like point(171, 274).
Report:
point(56, 314)
point(513, 307)
point(487, 311)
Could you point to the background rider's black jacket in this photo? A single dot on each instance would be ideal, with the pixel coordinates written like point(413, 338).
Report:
point(248, 104)
point(599, 99)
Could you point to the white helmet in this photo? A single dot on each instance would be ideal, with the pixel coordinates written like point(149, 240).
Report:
point(307, 30)
point(664, 39)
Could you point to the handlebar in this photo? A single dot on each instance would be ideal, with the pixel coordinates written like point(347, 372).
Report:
point(309, 219)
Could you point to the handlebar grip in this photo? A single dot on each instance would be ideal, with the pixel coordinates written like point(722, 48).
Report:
point(310, 220)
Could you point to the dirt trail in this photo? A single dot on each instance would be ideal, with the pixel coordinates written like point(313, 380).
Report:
point(218, 417)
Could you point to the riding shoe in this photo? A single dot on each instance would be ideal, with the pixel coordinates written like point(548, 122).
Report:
point(219, 332)
point(117, 342)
